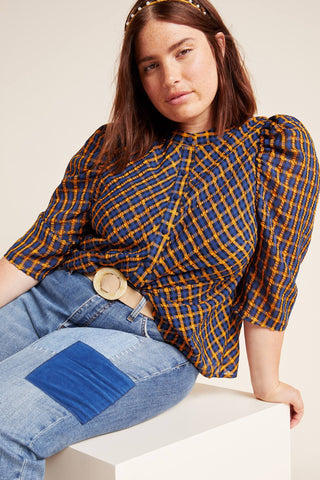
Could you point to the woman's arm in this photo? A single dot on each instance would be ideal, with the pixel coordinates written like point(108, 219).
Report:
point(263, 350)
point(13, 282)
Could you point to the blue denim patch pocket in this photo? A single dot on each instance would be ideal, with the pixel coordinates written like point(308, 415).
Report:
point(82, 380)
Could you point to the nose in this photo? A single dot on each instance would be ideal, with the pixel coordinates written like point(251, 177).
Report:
point(170, 74)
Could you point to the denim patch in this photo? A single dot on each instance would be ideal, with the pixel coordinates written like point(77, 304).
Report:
point(82, 380)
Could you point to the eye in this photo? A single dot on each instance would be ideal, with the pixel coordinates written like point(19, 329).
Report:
point(184, 52)
point(150, 67)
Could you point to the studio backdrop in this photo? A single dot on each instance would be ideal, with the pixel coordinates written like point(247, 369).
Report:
point(58, 61)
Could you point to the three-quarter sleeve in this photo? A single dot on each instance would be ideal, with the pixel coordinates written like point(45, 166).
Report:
point(57, 229)
point(287, 187)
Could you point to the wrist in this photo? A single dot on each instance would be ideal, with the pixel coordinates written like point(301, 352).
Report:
point(264, 390)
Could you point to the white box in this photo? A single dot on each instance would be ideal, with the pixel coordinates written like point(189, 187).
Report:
point(214, 433)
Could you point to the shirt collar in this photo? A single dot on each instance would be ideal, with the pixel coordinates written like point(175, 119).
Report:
point(186, 138)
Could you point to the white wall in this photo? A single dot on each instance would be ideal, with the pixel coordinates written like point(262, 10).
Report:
point(57, 68)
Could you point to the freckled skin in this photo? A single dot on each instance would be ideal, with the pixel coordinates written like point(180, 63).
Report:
point(181, 82)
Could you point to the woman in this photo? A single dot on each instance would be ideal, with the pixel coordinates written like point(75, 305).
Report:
point(202, 212)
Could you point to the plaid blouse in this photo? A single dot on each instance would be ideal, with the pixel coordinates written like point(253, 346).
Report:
point(211, 230)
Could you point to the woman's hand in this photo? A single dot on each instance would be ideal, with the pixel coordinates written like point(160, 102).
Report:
point(263, 351)
point(284, 393)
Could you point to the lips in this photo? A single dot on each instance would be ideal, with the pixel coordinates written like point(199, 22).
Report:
point(178, 97)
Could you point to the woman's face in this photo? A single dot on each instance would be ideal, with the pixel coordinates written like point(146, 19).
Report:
point(178, 72)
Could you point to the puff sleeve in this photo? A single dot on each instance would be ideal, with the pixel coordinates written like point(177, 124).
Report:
point(287, 188)
point(58, 228)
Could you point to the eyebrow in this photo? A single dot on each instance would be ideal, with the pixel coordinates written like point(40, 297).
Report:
point(170, 49)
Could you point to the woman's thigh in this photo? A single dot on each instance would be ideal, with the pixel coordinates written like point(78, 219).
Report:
point(41, 310)
point(76, 383)
point(63, 299)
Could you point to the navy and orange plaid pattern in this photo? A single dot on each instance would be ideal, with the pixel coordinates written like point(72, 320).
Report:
point(212, 231)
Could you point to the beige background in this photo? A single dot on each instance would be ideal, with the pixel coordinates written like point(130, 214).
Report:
point(57, 69)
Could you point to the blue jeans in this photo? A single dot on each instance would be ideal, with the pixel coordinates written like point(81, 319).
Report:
point(73, 366)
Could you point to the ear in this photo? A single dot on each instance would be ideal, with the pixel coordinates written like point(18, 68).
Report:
point(221, 41)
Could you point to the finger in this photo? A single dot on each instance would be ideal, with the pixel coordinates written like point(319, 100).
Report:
point(295, 416)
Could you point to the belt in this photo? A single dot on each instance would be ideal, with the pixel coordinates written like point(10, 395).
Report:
point(112, 285)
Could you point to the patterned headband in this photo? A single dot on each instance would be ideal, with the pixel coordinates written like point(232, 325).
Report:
point(137, 10)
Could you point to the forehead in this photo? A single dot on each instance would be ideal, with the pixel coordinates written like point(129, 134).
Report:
point(157, 36)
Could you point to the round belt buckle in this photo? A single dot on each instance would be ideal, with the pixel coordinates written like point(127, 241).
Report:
point(97, 279)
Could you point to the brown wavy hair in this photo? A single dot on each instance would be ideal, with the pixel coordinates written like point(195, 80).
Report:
point(135, 124)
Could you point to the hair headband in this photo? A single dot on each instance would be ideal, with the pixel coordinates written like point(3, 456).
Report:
point(137, 10)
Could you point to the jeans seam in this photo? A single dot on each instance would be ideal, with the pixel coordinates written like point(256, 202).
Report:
point(32, 345)
point(137, 380)
point(30, 443)
point(96, 315)
point(22, 468)
point(83, 306)
point(66, 415)
point(42, 349)
point(90, 300)
point(125, 352)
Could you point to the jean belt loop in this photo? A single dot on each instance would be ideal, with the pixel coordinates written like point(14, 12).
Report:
point(135, 312)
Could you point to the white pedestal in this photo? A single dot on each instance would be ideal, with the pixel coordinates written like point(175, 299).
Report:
point(214, 433)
